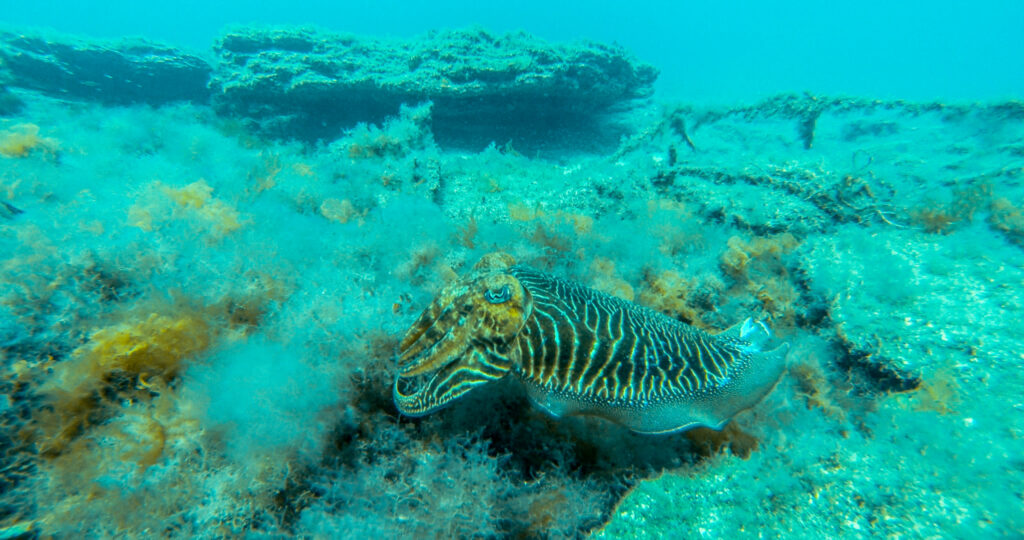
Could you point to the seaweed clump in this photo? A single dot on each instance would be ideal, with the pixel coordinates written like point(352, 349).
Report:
point(125, 359)
point(680, 297)
point(1008, 218)
point(193, 202)
point(22, 139)
point(758, 268)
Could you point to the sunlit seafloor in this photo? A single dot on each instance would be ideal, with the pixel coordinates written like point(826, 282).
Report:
point(207, 264)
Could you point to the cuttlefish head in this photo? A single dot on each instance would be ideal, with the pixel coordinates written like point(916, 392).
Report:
point(464, 339)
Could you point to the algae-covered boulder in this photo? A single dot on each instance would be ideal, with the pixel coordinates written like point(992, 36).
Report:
point(309, 84)
point(114, 72)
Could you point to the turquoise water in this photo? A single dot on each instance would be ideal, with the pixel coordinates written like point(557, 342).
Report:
point(707, 52)
point(214, 239)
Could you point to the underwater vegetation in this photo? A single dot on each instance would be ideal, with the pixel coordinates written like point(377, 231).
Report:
point(201, 319)
point(22, 139)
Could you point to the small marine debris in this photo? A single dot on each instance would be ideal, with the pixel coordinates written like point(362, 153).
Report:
point(580, 351)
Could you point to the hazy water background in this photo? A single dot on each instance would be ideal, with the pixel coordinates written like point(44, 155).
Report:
point(709, 52)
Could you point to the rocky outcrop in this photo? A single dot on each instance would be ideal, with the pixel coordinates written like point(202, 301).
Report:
point(305, 83)
point(115, 72)
point(308, 84)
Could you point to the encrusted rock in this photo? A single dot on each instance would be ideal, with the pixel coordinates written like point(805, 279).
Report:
point(310, 84)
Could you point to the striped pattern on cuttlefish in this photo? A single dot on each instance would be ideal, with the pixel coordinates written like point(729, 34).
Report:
point(579, 351)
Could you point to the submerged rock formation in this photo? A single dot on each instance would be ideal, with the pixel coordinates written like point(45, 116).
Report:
point(113, 72)
point(309, 84)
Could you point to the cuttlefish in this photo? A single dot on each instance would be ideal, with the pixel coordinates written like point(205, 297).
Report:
point(580, 351)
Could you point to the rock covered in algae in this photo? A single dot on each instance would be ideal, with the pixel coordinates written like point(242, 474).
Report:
point(308, 83)
point(115, 72)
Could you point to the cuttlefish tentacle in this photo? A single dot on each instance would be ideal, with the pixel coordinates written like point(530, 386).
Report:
point(579, 351)
point(462, 340)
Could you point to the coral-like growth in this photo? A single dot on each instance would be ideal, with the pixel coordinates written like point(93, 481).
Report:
point(758, 268)
point(456, 478)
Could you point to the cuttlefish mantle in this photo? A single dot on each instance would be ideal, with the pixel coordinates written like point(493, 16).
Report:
point(580, 351)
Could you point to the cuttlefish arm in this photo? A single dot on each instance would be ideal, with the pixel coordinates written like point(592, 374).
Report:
point(462, 340)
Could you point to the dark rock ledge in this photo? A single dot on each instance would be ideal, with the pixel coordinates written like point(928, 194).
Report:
point(309, 84)
point(305, 82)
point(114, 72)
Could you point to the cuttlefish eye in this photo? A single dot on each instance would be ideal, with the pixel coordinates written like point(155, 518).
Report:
point(499, 296)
